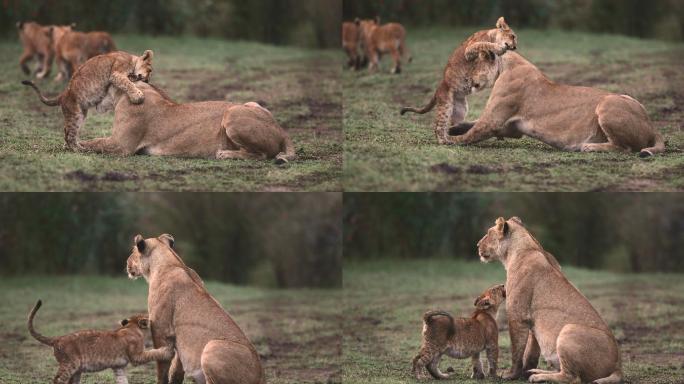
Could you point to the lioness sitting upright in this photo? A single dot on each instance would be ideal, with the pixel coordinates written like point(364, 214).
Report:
point(94, 351)
point(547, 314)
point(526, 102)
point(473, 66)
point(379, 39)
point(210, 346)
point(37, 43)
point(90, 86)
point(463, 337)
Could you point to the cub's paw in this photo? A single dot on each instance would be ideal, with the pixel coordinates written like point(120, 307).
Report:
point(74, 147)
point(137, 97)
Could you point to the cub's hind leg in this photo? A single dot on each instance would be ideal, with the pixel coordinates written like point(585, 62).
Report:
point(444, 111)
point(478, 373)
point(65, 373)
point(74, 117)
point(396, 57)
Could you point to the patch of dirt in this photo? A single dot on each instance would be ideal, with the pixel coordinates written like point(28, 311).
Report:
point(86, 177)
point(81, 176)
point(446, 169)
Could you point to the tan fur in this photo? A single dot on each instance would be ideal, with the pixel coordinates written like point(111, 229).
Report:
point(211, 347)
point(473, 66)
point(462, 337)
point(37, 43)
point(90, 85)
point(94, 351)
point(351, 43)
point(210, 129)
point(380, 39)
point(73, 48)
point(525, 102)
point(547, 315)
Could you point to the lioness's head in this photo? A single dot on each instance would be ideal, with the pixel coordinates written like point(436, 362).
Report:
point(491, 298)
point(483, 72)
point(505, 36)
point(143, 67)
point(494, 245)
point(148, 253)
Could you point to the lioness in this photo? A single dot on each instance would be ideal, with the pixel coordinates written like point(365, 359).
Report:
point(37, 43)
point(377, 40)
point(73, 48)
point(547, 314)
point(90, 86)
point(525, 102)
point(94, 351)
point(463, 337)
point(351, 40)
point(210, 345)
point(473, 66)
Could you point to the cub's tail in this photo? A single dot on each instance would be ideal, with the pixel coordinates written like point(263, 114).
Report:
point(43, 339)
point(658, 147)
point(288, 152)
point(427, 318)
point(422, 111)
point(51, 102)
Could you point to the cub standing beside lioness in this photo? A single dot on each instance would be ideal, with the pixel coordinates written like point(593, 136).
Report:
point(463, 337)
point(89, 87)
point(547, 314)
point(94, 351)
point(210, 346)
point(472, 67)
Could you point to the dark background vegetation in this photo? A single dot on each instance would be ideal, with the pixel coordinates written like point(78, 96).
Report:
point(644, 18)
point(622, 232)
point(278, 240)
point(313, 23)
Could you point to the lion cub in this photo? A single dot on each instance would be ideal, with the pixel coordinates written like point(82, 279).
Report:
point(463, 337)
point(89, 87)
point(93, 351)
point(473, 66)
point(379, 39)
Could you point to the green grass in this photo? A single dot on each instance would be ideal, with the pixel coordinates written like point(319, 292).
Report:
point(387, 152)
point(301, 87)
point(385, 300)
point(296, 332)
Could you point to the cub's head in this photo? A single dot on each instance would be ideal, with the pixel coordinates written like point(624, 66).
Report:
point(143, 67)
point(148, 254)
point(483, 72)
point(505, 36)
point(494, 244)
point(491, 298)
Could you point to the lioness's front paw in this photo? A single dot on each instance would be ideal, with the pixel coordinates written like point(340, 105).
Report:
point(138, 97)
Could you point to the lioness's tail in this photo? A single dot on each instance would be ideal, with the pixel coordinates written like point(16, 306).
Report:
point(427, 318)
point(43, 339)
point(425, 109)
point(658, 146)
point(51, 102)
point(288, 152)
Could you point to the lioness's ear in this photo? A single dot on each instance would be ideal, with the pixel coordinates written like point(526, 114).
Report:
point(167, 239)
point(139, 243)
point(501, 225)
point(143, 323)
point(147, 55)
point(501, 24)
point(124, 322)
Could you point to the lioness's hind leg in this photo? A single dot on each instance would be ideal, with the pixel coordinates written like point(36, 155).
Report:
point(225, 362)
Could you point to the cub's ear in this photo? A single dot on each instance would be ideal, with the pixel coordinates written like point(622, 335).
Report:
point(139, 243)
point(502, 225)
point(20, 24)
point(517, 220)
point(501, 24)
point(503, 289)
point(167, 239)
point(357, 21)
point(143, 323)
point(147, 55)
point(377, 20)
point(124, 322)
point(477, 301)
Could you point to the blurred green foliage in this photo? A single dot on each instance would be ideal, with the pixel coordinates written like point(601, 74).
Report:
point(311, 23)
point(616, 231)
point(279, 240)
point(663, 19)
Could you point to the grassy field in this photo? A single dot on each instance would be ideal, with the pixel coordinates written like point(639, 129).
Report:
point(385, 300)
point(387, 152)
point(301, 87)
point(296, 332)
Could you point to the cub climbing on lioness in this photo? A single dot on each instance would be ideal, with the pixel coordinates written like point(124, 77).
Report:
point(465, 74)
point(89, 87)
point(94, 351)
point(462, 337)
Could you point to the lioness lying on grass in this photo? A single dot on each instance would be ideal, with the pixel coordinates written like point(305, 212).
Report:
point(526, 102)
point(547, 314)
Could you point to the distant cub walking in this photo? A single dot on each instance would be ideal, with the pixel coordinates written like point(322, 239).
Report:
point(473, 66)
point(379, 39)
point(93, 351)
point(462, 337)
point(89, 87)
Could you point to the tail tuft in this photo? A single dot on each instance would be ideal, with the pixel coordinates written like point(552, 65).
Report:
point(27, 82)
point(645, 153)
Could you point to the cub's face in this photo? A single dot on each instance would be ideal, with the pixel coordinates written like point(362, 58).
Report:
point(140, 321)
point(493, 244)
point(505, 36)
point(491, 298)
point(143, 67)
point(484, 71)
